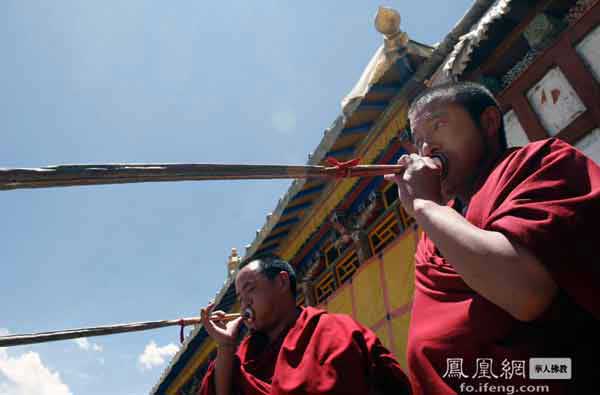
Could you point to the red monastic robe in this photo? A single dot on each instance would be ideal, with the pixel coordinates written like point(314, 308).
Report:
point(546, 197)
point(321, 354)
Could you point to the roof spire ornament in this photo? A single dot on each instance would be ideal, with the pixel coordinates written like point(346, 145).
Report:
point(233, 262)
point(395, 41)
point(387, 22)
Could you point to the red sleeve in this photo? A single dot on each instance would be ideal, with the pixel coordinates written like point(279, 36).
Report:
point(208, 382)
point(208, 386)
point(548, 200)
point(388, 376)
point(335, 355)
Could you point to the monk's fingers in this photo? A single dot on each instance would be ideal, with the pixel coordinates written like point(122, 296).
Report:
point(422, 165)
point(412, 165)
point(223, 332)
point(213, 328)
point(205, 318)
point(219, 324)
point(395, 177)
point(433, 162)
point(217, 319)
point(206, 312)
point(404, 161)
point(234, 325)
point(418, 162)
point(210, 306)
point(217, 315)
point(391, 177)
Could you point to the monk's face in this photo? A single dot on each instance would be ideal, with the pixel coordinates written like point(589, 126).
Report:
point(448, 129)
point(256, 291)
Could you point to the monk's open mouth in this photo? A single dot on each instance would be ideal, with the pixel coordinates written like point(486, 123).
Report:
point(248, 314)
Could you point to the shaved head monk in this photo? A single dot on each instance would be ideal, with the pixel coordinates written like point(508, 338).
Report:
point(508, 266)
point(291, 350)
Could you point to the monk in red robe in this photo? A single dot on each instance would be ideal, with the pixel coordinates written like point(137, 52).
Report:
point(507, 268)
point(292, 350)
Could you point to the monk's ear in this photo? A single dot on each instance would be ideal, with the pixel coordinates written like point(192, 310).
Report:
point(490, 121)
point(283, 280)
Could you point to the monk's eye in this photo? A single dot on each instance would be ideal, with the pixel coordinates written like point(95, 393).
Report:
point(438, 124)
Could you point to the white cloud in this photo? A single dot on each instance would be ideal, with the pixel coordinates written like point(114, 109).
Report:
point(284, 121)
point(85, 344)
point(26, 375)
point(155, 356)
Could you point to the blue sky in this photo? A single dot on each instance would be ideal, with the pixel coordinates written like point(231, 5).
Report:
point(148, 82)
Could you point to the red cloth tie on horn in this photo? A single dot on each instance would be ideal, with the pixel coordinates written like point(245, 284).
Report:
point(343, 168)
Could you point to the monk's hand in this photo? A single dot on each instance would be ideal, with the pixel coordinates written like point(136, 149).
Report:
point(420, 180)
point(225, 334)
